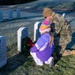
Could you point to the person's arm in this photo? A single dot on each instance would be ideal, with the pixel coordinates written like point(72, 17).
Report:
point(40, 42)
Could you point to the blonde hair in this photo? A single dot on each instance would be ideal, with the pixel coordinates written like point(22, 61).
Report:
point(51, 38)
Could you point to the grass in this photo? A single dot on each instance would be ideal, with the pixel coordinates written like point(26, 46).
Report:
point(23, 64)
point(20, 64)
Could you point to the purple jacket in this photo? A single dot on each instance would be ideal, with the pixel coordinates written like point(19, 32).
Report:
point(42, 47)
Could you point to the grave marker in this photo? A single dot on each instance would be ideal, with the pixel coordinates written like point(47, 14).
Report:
point(10, 14)
point(18, 13)
point(36, 30)
point(21, 33)
point(64, 15)
point(3, 59)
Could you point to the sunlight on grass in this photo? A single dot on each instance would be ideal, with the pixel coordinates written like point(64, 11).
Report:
point(65, 66)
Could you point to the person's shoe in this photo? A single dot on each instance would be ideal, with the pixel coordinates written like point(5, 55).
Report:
point(39, 65)
point(51, 62)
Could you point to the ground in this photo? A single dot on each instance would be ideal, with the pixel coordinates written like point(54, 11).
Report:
point(22, 64)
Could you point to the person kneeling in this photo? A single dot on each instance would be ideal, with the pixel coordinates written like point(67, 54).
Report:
point(42, 50)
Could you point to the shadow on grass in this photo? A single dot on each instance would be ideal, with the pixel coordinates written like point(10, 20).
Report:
point(13, 63)
point(8, 2)
point(72, 43)
point(16, 60)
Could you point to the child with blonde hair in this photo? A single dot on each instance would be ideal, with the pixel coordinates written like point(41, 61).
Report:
point(42, 50)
